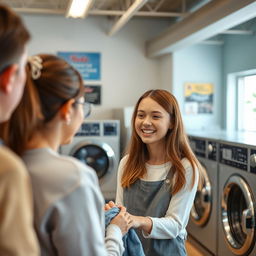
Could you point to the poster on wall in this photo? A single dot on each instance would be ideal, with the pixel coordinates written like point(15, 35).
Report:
point(93, 94)
point(198, 98)
point(87, 63)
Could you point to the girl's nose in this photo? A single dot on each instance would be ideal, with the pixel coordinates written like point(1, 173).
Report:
point(147, 121)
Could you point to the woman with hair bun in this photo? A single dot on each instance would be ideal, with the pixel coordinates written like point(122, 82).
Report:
point(68, 204)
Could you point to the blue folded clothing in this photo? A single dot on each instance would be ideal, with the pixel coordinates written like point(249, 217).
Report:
point(132, 244)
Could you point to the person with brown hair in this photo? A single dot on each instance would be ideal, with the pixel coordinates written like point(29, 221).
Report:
point(158, 178)
point(68, 204)
point(17, 236)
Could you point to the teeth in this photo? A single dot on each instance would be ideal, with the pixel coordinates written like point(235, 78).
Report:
point(148, 131)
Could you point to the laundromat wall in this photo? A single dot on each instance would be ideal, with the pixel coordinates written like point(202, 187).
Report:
point(126, 72)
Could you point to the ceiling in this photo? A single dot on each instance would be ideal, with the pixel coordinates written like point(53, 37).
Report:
point(151, 8)
point(173, 10)
point(191, 21)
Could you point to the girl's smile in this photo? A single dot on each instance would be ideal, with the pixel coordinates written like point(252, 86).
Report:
point(152, 121)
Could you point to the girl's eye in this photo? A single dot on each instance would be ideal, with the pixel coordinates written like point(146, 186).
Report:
point(140, 115)
point(156, 117)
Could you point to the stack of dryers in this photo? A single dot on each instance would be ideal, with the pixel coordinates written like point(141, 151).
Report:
point(97, 144)
point(237, 194)
point(202, 226)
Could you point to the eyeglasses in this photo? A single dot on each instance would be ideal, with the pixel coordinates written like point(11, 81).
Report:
point(86, 106)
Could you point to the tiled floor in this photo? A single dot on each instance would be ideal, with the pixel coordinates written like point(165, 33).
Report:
point(192, 251)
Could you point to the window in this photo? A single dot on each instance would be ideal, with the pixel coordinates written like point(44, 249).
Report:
point(246, 103)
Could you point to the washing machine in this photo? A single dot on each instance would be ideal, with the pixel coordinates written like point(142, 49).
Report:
point(237, 212)
point(97, 144)
point(202, 226)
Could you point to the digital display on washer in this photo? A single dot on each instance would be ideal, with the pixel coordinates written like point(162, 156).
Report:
point(234, 156)
point(110, 129)
point(89, 129)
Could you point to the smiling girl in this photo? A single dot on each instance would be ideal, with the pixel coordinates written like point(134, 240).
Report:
point(158, 178)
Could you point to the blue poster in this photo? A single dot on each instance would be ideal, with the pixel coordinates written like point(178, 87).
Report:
point(88, 64)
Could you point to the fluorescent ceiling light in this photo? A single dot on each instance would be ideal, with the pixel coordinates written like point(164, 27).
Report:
point(78, 8)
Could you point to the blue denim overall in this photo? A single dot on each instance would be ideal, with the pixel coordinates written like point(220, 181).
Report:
point(152, 198)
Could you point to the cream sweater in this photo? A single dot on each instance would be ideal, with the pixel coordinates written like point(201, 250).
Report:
point(17, 236)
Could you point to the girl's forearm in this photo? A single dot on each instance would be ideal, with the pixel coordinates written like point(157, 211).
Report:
point(145, 223)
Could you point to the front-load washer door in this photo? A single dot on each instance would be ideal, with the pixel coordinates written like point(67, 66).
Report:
point(99, 156)
point(238, 215)
point(202, 206)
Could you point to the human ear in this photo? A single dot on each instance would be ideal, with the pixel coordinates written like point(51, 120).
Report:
point(66, 111)
point(7, 77)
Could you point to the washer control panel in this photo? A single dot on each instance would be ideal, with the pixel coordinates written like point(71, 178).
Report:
point(234, 156)
point(212, 150)
point(99, 128)
point(198, 146)
point(253, 161)
point(89, 129)
point(204, 148)
point(110, 129)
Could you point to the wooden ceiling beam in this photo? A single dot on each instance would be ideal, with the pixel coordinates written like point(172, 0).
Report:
point(126, 16)
point(208, 21)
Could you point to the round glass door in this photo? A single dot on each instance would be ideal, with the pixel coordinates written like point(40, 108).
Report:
point(99, 156)
point(238, 215)
point(201, 209)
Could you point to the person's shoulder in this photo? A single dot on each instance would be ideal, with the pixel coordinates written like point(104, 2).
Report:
point(85, 178)
point(11, 164)
point(81, 169)
point(124, 160)
point(188, 165)
point(189, 170)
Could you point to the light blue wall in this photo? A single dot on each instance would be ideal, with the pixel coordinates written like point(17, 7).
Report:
point(199, 64)
point(239, 53)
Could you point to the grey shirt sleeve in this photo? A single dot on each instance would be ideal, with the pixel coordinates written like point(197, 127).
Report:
point(78, 227)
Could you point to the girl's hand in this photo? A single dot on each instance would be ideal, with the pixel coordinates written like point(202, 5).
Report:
point(109, 205)
point(136, 220)
point(144, 223)
point(123, 220)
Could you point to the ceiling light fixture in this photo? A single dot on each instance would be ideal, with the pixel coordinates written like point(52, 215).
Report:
point(78, 8)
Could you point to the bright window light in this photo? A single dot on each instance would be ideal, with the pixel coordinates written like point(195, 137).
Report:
point(78, 8)
point(247, 103)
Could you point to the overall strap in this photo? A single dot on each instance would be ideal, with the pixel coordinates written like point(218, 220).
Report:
point(162, 198)
point(169, 178)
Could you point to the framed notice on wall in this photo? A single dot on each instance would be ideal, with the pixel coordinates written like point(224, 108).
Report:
point(93, 94)
point(199, 98)
point(87, 63)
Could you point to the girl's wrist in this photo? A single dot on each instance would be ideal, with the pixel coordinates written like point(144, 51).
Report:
point(146, 224)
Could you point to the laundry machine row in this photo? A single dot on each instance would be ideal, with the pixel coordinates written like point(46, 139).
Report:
point(237, 194)
point(202, 226)
point(97, 144)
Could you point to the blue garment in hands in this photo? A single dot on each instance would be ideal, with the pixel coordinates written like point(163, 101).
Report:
point(132, 244)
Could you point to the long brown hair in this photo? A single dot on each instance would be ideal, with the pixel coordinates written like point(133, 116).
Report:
point(42, 98)
point(177, 145)
point(13, 37)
